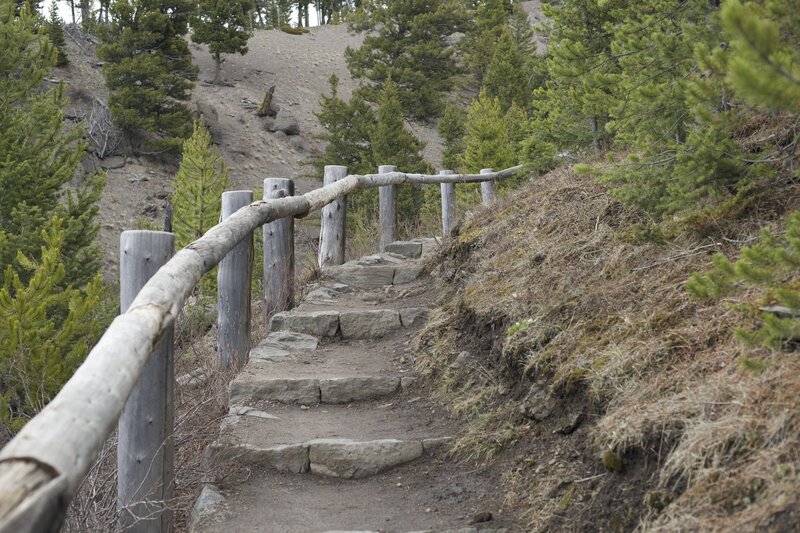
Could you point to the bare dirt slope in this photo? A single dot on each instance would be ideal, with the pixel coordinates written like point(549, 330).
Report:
point(299, 66)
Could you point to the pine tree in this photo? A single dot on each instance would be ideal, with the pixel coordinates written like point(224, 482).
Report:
point(487, 144)
point(149, 71)
point(347, 132)
point(393, 144)
point(765, 67)
point(54, 28)
point(224, 26)
point(451, 130)
point(40, 155)
point(507, 75)
point(478, 45)
point(405, 42)
point(47, 328)
point(199, 184)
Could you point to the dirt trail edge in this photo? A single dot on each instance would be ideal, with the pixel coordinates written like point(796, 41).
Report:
point(329, 430)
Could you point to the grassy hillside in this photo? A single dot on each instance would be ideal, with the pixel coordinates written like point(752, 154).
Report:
point(584, 370)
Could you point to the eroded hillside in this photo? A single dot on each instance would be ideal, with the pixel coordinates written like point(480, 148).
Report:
point(606, 395)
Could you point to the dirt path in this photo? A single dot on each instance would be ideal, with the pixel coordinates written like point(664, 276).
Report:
point(329, 429)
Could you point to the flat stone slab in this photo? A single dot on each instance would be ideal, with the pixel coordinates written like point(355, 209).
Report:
point(358, 422)
point(350, 459)
point(291, 458)
point(315, 323)
point(369, 324)
point(351, 389)
point(249, 387)
point(361, 277)
point(283, 345)
point(412, 250)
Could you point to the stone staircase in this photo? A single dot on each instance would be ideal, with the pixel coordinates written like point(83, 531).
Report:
point(327, 428)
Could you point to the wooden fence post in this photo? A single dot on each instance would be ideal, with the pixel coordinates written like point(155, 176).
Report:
point(387, 209)
point(488, 188)
point(146, 452)
point(448, 203)
point(333, 219)
point(233, 291)
point(278, 252)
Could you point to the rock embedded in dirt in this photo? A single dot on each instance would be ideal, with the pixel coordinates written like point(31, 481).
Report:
point(539, 404)
point(572, 424)
point(286, 122)
point(412, 315)
point(209, 498)
point(112, 162)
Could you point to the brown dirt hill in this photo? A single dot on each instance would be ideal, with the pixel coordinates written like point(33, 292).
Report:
point(298, 65)
point(582, 369)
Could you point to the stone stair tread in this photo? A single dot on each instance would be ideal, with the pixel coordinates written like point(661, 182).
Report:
point(431, 497)
point(359, 422)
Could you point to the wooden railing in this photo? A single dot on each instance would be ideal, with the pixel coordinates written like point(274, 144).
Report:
point(42, 468)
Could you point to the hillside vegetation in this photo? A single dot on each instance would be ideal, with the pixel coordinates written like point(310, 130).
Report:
point(610, 397)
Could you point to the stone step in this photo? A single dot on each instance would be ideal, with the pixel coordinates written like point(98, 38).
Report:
point(364, 323)
point(425, 495)
point(331, 441)
point(375, 271)
point(256, 387)
point(292, 367)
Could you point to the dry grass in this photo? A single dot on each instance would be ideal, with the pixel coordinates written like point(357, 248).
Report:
point(591, 294)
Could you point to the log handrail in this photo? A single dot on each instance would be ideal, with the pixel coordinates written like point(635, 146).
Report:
point(42, 468)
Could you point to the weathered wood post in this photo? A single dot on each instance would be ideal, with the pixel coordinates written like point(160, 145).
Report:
point(333, 219)
point(387, 209)
point(448, 203)
point(278, 252)
point(488, 188)
point(146, 453)
point(233, 291)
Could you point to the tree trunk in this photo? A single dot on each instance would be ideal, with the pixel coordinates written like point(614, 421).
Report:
point(266, 103)
point(217, 67)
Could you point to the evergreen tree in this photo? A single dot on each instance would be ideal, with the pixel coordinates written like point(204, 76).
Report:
point(482, 35)
point(272, 14)
point(451, 130)
point(199, 184)
point(47, 328)
point(765, 67)
point(393, 144)
point(773, 265)
point(487, 144)
point(55, 33)
point(50, 296)
point(507, 75)
point(149, 71)
point(571, 109)
point(224, 26)
point(347, 132)
point(405, 42)
point(40, 156)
